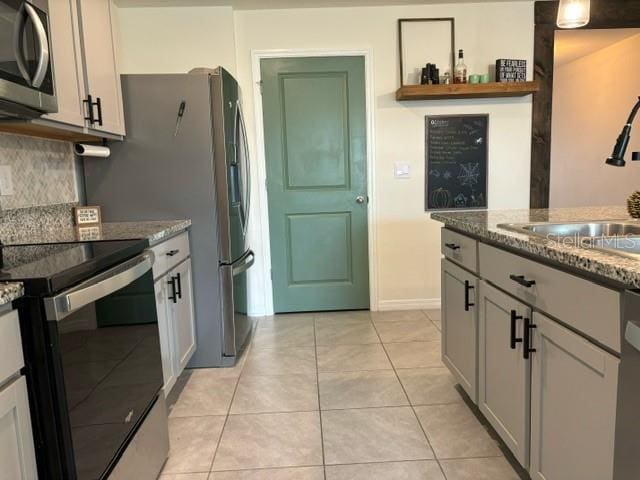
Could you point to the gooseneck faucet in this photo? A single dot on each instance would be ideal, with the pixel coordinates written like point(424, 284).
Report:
point(617, 157)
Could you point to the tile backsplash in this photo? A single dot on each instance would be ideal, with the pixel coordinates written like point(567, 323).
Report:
point(44, 172)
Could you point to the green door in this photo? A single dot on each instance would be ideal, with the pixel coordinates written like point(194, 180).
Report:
point(315, 143)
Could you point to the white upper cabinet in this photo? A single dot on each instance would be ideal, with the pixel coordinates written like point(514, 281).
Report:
point(100, 66)
point(67, 63)
point(85, 67)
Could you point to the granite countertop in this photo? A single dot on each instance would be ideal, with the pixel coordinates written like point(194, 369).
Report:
point(610, 266)
point(154, 231)
point(10, 291)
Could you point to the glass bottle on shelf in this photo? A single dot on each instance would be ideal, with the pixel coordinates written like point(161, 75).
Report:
point(460, 74)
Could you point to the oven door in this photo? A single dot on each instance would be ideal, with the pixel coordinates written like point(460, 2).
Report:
point(106, 354)
point(26, 74)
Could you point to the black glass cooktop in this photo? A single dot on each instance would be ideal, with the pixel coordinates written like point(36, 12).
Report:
point(49, 268)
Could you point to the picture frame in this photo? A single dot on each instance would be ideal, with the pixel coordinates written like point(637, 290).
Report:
point(419, 44)
point(87, 216)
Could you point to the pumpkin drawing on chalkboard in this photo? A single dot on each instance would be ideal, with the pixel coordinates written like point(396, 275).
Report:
point(441, 198)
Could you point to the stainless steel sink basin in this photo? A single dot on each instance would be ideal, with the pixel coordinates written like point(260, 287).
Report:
point(618, 237)
point(577, 230)
point(628, 246)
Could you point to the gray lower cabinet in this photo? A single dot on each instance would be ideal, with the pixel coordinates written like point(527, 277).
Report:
point(17, 456)
point(183, 315)
point(571, 380)
point(527, 350)
point(176, 321)
point(504, 373)
point(459, 325)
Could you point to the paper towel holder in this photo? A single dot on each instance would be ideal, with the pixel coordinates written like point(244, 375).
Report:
point(91, 150)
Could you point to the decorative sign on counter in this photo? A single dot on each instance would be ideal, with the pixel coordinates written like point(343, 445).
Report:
point(88, 234)
point(456, 162)
point(89, 215)
point(509, 70)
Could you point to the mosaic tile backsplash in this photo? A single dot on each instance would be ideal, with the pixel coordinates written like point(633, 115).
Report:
point(43, 171)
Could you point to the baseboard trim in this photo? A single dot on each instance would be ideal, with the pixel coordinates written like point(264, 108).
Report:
point(413, 304)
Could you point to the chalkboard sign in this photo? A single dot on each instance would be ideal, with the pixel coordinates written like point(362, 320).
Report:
point(456, 162)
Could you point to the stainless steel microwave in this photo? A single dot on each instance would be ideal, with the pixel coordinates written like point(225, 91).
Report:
point(27, 88)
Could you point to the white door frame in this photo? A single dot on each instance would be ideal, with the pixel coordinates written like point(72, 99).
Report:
point(256, 57)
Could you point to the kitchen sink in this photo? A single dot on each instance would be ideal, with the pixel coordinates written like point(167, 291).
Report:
point(578, 231)
point(618, 237)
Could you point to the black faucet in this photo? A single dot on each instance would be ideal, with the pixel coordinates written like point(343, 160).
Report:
point(617, 157)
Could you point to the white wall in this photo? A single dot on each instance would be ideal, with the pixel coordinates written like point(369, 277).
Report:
point(592, 97)
point(408, 242)
point(408, 258)
point(175, 39)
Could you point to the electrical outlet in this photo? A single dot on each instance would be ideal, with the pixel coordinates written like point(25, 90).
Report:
point(6, 180)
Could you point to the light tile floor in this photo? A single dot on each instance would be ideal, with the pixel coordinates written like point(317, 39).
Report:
point(332, 396)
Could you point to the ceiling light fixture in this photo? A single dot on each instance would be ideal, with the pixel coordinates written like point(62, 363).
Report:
point(573, 13)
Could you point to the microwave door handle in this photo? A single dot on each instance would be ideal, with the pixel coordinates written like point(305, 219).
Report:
point(43, 46)
point(98, 287)
point(18, 37)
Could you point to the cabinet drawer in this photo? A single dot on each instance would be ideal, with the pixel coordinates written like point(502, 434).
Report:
point(586, 306)
point(11, 359)
point(170, 253)
point(460, 249)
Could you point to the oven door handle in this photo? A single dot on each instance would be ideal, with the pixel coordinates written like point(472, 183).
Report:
point(43, 46)
point(98, 287)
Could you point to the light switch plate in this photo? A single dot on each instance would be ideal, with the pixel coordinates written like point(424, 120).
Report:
point(6, 180)
point(401, 170)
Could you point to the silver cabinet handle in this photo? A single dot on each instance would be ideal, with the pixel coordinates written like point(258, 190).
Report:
point(18, 31)
point(360, 199)
point(43, 46)
point(98, 287)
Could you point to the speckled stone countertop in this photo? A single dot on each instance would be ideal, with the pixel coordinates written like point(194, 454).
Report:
point(154, 231)
point(10, 291)
point(610, 266)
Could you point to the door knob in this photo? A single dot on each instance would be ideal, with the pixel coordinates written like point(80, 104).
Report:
point(360, 199)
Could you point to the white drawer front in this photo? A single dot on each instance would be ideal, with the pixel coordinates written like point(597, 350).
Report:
point(586, 306)
point(460, 249)
point(170, 253)
point(11, 359)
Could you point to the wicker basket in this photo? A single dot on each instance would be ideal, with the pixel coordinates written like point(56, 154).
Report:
point(633, 204)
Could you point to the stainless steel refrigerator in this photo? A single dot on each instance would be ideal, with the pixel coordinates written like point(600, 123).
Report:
point(185, 156)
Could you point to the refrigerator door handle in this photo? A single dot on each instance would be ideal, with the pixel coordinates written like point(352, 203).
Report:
point(246, 167)
point(246, 262)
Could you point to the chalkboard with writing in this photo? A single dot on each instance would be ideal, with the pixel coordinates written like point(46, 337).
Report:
point(456, 162)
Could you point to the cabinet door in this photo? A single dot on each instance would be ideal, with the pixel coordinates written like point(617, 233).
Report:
point(100, 65)
point(184, 320)
point(67, 63)
point(573, 406)
point(459, 326)
point(17, 456)
point(504, 373)
point(166, 333)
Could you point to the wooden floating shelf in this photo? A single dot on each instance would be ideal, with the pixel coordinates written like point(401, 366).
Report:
point(466, 90)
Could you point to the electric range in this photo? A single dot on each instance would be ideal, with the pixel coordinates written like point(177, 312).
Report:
point(92, 358)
